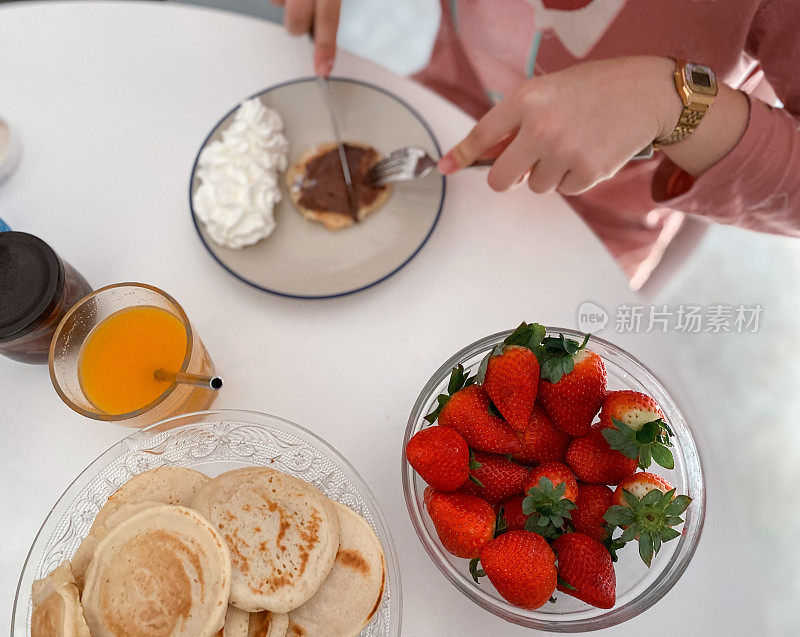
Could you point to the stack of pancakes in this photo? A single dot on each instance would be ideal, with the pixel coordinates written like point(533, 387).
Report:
point(253, 553)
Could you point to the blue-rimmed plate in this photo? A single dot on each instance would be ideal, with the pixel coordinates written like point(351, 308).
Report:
point(302, 259)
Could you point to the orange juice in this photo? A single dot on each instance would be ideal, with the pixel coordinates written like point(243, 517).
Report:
point(121, 354)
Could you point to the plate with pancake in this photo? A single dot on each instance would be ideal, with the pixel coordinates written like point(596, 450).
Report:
point(214, 523)
point(268, 199)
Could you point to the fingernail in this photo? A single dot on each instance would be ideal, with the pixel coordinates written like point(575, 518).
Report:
point(448, 165)
point(325, 67)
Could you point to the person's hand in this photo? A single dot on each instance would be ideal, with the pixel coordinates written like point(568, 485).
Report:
point(319, 17)
point(576, 127)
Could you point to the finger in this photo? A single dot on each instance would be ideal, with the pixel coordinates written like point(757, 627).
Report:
point(512, 164)
point(490, 130)
point(298, 16)
point(495, 151)
point(574, 183)
point(326, 23)
point(278, 3)
point(546, 175)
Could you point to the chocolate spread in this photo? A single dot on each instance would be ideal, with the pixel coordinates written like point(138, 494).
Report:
point(323, 188)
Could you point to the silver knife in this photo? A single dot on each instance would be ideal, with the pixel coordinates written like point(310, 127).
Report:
point(325, 88)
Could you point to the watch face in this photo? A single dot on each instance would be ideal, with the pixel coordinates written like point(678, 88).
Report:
point(700, 79)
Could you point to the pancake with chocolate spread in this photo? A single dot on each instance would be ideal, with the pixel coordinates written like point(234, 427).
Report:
point(317, 187)
point(282, 533)
point(164, 572)
point(352, 592)
point(57, 611)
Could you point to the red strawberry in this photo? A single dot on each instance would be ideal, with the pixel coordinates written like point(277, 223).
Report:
point(440, 456)
point(557, 473)
point(541, 441)
point(501, 478)
point(646, 507)
point(572, 386)
point(594, 461)
point(511, 380)
point(640, 484)
point(585, 570)
point(635, 426)
point(590, 507)
point(467, 412)
point(521, 565)
point(512, 512)
point(550, 493)
point(464, 523)
point(631, 407)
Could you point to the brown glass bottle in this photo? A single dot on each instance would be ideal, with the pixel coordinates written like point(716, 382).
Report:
point(36, 290)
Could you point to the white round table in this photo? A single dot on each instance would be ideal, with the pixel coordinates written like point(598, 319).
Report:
point(112, 100)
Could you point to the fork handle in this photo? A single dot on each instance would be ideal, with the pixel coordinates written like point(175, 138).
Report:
point(479, 163)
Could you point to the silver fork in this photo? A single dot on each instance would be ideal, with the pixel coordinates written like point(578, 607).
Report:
point(413, 162)
point(407, 164)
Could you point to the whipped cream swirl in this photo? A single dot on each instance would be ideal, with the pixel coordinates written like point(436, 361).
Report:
point(239, 177)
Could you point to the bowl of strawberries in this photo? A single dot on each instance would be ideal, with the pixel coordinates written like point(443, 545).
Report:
point(553, 480)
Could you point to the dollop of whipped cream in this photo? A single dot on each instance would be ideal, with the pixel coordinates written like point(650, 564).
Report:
point(239, 177)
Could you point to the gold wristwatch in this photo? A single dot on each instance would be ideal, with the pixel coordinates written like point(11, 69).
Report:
point(697, 86)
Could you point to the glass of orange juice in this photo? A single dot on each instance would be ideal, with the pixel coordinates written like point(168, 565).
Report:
point(115, 354)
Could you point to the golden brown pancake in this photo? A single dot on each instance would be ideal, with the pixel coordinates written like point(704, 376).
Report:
point(165, 572)
point(317, 187)
point(57, 611)
point(352, 592)
point(282, 534)
point(266, 624)
point(236, 623)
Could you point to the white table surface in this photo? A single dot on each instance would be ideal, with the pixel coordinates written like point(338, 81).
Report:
point(112, 100)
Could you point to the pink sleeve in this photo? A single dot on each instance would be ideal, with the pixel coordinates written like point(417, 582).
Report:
point(757, 184)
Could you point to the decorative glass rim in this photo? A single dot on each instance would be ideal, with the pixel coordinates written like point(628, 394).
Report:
point(162, 397)
point(580, 621)
point(251, 417)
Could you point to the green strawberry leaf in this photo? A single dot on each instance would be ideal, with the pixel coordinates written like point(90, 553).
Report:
point(651, 498)
point(475, 481)
point(663, 456)
point(494, 411)
point(632, 500)
point(678, 505)
point(645, 456)
point(650, 519)
point(669, 534)
point(613, 545)
point(458, 380)
point(646, 547)
point(629, 534)
point(473, 463)
point(475, 571)
point(501, 524)
point(649, 443)
point(617, 515)
point(565, 584)
point(528, 335)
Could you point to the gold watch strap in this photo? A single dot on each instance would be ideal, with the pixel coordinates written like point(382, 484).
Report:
point(689, 119)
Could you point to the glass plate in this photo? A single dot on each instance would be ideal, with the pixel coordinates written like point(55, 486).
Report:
point(302, 259)
point(637, 586)
point(211, 442)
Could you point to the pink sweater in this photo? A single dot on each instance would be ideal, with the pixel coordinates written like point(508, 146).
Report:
point(485, 48)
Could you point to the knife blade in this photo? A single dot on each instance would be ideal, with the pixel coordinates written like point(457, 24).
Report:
point(325, 89)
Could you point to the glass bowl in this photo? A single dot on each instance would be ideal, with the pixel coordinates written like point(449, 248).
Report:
point(211, 442)
point(638, 587)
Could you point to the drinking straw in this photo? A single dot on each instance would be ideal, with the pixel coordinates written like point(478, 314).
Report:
point(212, 382)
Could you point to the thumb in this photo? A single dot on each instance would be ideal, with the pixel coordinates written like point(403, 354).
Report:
point(490, 132)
